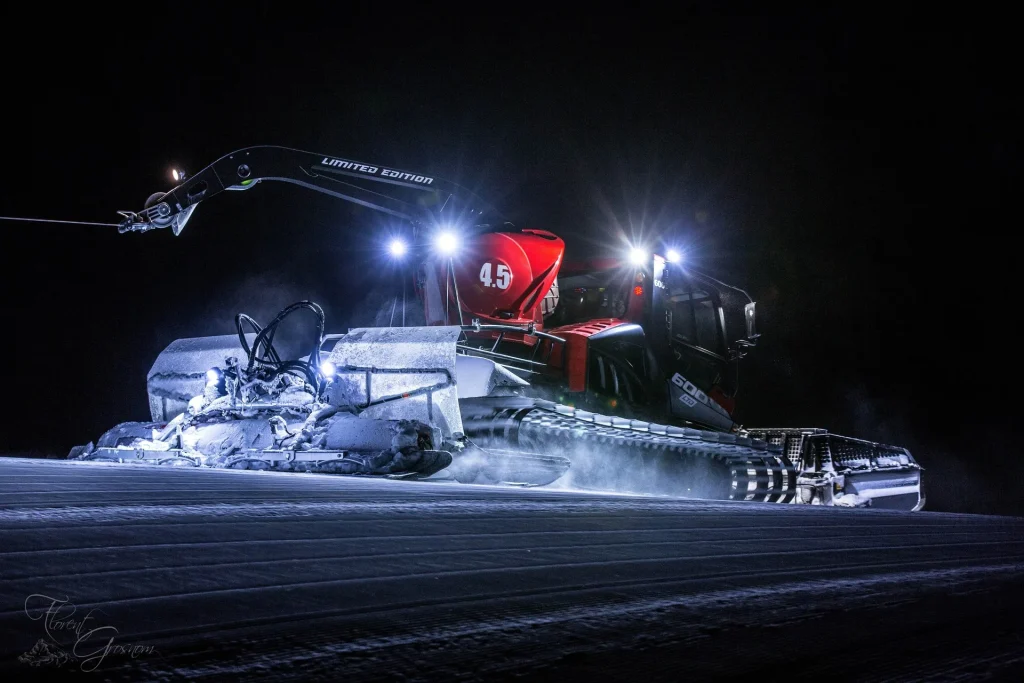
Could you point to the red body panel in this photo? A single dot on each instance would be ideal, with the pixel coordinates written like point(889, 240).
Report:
point(503, 276)
point(574, 361)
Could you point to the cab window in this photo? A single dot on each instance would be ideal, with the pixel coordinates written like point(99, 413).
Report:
point(694, 317)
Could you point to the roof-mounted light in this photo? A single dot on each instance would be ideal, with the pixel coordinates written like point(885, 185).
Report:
point(397, 247)
point(446, 242)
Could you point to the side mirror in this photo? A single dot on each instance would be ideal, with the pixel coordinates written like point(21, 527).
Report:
point(750, 316)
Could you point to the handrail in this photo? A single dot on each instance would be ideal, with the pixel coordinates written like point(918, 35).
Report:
point(529, 329)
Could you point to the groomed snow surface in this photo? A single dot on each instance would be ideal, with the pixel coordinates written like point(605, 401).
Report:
point(231, 575)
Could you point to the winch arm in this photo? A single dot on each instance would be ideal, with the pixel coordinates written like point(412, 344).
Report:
point(412, 197)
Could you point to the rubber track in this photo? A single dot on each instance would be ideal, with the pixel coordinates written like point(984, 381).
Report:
point(752, 469)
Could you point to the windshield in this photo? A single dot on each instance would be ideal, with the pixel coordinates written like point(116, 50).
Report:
point(600, 294)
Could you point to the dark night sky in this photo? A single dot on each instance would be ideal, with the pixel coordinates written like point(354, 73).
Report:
point(854, 173)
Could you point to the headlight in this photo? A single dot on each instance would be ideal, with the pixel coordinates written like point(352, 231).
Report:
point(446, 242)
point(397, 248)
point(327, 369)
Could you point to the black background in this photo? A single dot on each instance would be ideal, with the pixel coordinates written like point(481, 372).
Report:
point(855, 172)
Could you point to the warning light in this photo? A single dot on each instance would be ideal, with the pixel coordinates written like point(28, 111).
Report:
point(638, 290)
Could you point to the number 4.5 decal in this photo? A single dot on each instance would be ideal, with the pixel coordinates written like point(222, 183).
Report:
point(502, 275)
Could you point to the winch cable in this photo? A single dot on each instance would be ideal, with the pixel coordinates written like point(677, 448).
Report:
point(52, 220)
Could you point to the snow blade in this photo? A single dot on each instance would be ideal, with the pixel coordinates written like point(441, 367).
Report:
point(387, 407)
point(399, 373)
